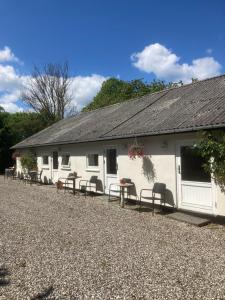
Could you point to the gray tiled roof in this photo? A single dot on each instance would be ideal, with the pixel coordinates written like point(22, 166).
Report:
point(191, 107)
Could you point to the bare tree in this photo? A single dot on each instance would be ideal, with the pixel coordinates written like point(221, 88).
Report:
point(47, 91)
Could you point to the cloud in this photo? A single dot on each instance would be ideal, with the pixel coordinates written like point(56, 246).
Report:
point(166, 65)
point(6, 55)
point(11, 107)
point(84, 88)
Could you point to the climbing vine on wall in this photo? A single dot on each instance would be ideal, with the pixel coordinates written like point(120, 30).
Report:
point(211, 147)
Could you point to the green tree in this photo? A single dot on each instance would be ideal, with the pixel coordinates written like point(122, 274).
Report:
point(115, 90)
point(14, 128)
point(211, 147)
point(28, 161)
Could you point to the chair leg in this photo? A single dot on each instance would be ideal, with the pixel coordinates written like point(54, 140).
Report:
point(153, 207)
point(140, 202)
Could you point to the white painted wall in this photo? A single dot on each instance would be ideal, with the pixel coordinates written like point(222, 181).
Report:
point(159, 164)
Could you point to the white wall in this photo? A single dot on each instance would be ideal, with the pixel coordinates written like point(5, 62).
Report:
point(159, 164)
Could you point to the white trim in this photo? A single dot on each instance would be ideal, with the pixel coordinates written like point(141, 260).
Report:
point(114, 176)
point(65, 167)
point(45, 167)
point(93, 170)
point(212, 209)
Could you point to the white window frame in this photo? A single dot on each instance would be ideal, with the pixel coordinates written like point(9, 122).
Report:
point(45, 166)
point(66, 167)
point(92, 168)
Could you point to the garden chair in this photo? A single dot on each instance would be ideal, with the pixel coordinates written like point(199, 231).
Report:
point(38, 176)
point(157, 194)
point(64, 183)
point(67, 181)
point(113, 188)
point(88, 185)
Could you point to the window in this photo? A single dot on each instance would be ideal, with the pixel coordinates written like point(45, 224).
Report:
point(92, 160)
point(111, 163)
point(192, 166)
point(65, 160)
point(55, 160)
point(45, 160)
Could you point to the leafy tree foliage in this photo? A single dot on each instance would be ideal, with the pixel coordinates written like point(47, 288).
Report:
point(28, 161)
point(115, 90)
point(212, 147)
point(14, 128)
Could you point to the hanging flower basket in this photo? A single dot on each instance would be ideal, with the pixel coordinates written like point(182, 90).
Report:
point(136, 150)
point(15, 155)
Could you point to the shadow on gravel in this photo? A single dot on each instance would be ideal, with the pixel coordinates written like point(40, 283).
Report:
point(3, 276)
point(43, 295)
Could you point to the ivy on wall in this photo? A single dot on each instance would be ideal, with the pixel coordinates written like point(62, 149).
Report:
point(211, 147)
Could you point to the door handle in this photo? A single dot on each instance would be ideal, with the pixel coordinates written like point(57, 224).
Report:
point(179, 169)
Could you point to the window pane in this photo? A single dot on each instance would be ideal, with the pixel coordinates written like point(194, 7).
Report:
point(45, 160)
point(111, 163)
point(93, 160)
point(191, 166)
point(65, 160)
point(55, 160)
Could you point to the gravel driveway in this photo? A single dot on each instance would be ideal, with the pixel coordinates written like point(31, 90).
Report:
point(57, 246)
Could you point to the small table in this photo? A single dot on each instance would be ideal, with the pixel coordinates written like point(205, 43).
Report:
point(73, 178)
point(122, 188)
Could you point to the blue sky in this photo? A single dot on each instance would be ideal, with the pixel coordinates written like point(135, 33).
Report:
point(167, 40)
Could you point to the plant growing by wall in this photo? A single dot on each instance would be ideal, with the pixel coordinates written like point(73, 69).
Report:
point(28, 161)
point(211, 147)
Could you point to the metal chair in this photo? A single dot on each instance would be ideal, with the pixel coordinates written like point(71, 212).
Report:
point(39, 176)
point(88, 185)
point(113, 187)
point(159, 189)
point(67, 183)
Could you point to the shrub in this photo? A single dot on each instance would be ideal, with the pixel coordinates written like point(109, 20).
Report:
point(211, 147)
point(28, 161)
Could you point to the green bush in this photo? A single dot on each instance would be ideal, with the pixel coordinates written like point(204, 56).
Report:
point(28, 161)
point(212, 148)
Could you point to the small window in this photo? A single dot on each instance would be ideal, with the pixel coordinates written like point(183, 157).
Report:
point(111, 161)
point(65, 160)
point(92, 160)
point(192, 166)
point(45, 160)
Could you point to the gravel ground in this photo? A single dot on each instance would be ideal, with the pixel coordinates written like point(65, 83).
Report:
point(57, 246)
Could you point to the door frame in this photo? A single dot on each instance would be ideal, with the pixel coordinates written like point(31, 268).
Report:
point(179, 144)
point(53, 171)
point(105, 164)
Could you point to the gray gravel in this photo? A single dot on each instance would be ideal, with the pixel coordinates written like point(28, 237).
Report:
point(57, 246)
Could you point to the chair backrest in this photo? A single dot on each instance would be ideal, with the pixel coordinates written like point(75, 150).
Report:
point(93, 179)
point(126, 180)
point(70, 175)
point(159, 188)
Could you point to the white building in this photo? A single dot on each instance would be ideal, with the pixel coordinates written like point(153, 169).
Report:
point(166, 123)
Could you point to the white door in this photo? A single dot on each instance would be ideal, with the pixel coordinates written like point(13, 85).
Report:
point(193, 183)
point(111, 169)
point(55, 166)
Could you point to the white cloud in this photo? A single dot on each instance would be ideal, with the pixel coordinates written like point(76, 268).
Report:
point(84, 88)
point(166, 65)
point(6, 55)
point(11, 107)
